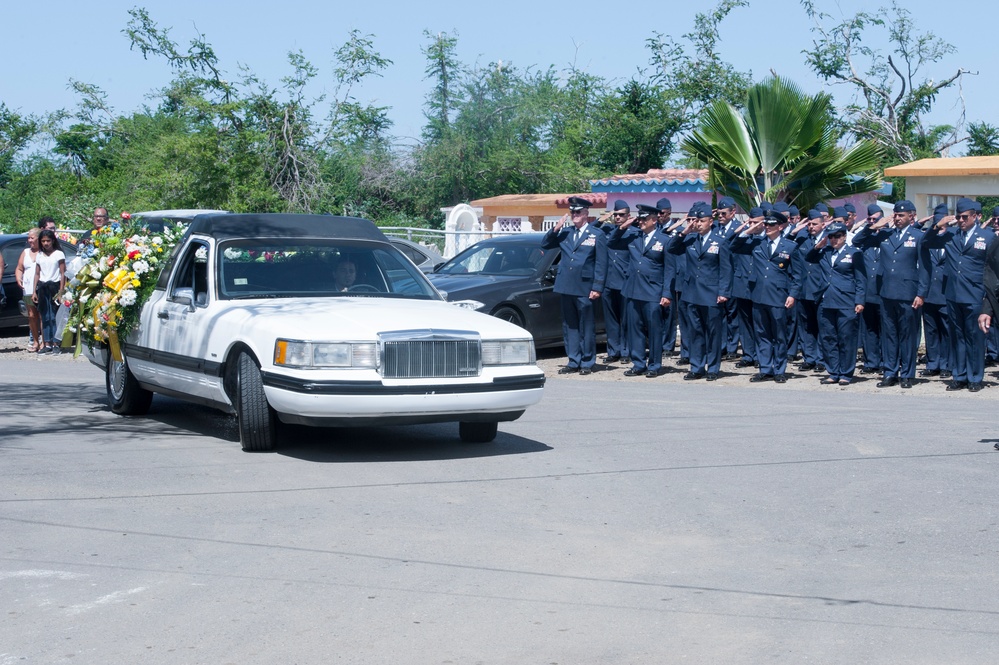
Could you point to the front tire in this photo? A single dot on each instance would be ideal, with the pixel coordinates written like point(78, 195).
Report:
point(477, 432)
point(509, 314)
point(256, 419)
point(125, 396)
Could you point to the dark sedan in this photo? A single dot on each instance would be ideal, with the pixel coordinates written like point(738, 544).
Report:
point(13, 313)
point(513, 277)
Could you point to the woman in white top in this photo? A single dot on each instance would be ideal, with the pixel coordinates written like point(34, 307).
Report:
point(25, 275)
point(50, 280)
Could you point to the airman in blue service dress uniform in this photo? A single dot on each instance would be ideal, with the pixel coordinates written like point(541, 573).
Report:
point(774, 284)
point(964, 271)
point(671, 318)
point(812, 283)
point(707, 286)
point(841, 301)
point(936, 329)
point(647, 290)
point(870, 318)
point(582, 270)
point(727, 225)
point(612, 300)
point(903, 283)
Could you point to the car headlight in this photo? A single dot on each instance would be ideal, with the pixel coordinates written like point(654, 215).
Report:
point(508, 352)
point(294, 353)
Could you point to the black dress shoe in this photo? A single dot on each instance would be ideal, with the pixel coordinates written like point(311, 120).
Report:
point(611, 359)
point(888, 382)
point(583, 371)
point(744, 363)
point(683, 361)
point(868, 370)
point(974, 387)
point(711, 376)
point(634, 372)
point(957, 385)
point(946, 374)
point(930, 372)
point(759, 378)
point(692, 376)
point(568, 370)
point(805, 367)
point(905, 383)
point(780, 378)
point(651, 374)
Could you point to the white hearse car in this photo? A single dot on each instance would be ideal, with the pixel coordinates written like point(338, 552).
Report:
point(316, 320)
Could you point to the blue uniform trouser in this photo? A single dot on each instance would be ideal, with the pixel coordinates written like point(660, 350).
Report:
point(838, 334)
point(936, 331)
point(747, 327)
point(683, 321)
point(792, 331)
point(808, 331)
point(871, 335)
point(967, 342)
point(645, 330)
point(770, 325)
point(578, 331)
point(707, 329)
point(730, 336)
point(670, 320)
point(900, 338)
point(614, 322)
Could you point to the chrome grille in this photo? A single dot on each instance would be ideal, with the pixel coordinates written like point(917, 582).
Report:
point(431, 359)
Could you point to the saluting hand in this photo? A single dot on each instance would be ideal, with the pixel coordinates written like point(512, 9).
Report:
point(561, 222)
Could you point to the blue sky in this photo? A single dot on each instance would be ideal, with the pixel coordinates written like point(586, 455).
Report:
point(48, 43)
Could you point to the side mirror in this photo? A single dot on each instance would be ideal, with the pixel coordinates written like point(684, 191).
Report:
point(184, 296)
point(437, 266)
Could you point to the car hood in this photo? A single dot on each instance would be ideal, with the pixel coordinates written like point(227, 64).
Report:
point(359, 318)
point(457, 286)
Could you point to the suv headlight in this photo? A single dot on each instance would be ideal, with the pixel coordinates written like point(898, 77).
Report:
point(508, 352)
point(294, 353)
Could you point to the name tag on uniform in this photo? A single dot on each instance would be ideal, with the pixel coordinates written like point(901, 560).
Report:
point(589, 242)
point(713, 249)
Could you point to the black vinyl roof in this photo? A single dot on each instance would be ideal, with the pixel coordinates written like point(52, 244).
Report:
point(284, 225)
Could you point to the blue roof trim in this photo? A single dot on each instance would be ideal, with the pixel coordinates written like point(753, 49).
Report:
point(610, 185)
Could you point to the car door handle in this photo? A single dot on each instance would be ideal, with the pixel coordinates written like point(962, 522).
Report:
point(162, 315)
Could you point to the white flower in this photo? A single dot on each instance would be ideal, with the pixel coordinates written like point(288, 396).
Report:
point(95, 272)
point(84, 298)
point(126, 298)
point(157, 240)
point(140, 267)
point(233, 253)
point(201, 254)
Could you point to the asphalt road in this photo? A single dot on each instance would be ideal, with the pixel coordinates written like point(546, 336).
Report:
point(625, 522)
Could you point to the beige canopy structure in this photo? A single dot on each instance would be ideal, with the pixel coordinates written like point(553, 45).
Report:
point(929, 182)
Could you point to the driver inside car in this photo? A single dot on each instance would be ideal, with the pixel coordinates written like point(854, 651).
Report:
point(345, 275)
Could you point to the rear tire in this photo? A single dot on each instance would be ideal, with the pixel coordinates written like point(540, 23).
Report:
point(256, 419)
point(125, 396)
point(477, 432)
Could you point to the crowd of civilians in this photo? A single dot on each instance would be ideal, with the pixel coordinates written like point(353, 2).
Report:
point(42, 275)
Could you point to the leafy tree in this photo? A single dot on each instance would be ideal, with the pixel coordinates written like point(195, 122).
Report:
point(893, 92)
point(16, 131)
point(983, 139)
point(781, 146)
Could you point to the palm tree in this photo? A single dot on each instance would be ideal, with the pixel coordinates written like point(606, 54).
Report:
point(781, 146)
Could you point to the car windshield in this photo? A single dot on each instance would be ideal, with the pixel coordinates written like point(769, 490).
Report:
point(495, 259)
point(296, 267)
